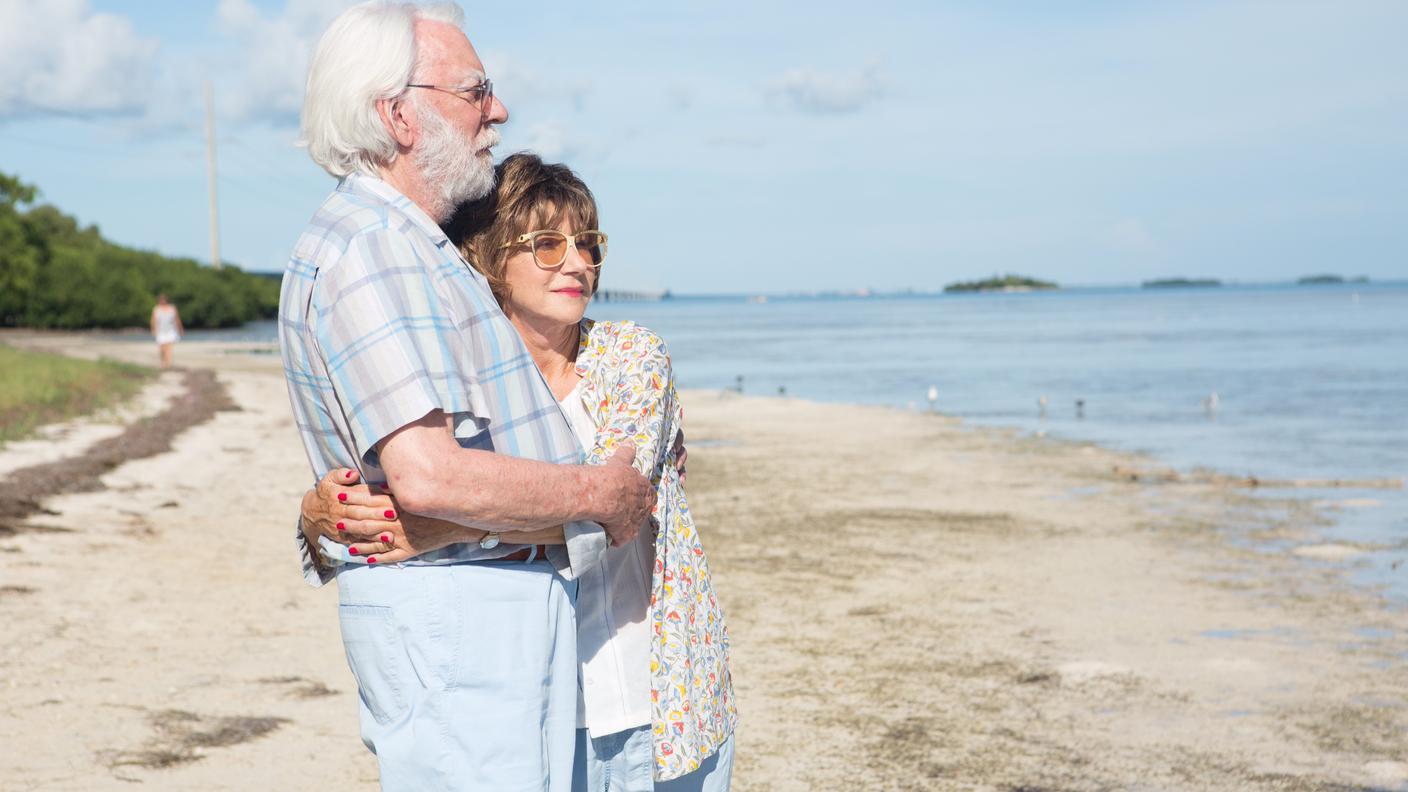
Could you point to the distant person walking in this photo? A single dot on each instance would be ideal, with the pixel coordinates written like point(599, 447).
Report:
point(167, 327)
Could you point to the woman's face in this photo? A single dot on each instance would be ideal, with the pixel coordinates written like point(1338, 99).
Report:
point(549, 297)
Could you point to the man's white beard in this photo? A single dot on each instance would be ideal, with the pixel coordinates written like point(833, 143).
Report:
point(450, 165)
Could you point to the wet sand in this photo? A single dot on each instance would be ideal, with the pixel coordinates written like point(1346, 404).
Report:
point(913, 605)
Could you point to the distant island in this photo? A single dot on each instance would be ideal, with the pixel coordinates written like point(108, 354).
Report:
point(1318, 280)
point(1004, 283)
point(1179, 283)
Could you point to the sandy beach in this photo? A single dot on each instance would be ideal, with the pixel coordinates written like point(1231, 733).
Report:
point(913, 604)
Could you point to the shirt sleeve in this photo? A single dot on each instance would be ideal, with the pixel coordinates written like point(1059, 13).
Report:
point(584, 547)
point(393, 351)
point(639, 404)
point(313, 573)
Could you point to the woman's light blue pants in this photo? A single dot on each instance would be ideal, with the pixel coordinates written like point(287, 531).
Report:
point(622, 762)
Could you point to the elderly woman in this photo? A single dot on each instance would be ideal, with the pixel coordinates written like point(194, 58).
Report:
point(655, 706)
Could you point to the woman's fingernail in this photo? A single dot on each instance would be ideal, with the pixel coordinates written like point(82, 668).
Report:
point(390, 514)
point(342, 496)
point(352, 550)
point(349, 474)
point(386, 538)
point(341, 527)
point(371, 559)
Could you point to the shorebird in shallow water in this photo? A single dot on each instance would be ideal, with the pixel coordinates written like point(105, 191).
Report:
point(1210, 404)
point(1080, 408)
point(1041, 403)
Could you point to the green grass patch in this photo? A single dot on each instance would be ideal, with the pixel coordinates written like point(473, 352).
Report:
point(36, 389)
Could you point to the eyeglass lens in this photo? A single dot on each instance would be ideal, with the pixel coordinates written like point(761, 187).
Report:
point(550, 249)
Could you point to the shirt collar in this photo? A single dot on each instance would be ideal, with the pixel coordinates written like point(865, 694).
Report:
point(362, 184)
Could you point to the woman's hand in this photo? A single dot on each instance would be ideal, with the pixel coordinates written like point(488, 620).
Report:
point(680, 454)
point(346, 511)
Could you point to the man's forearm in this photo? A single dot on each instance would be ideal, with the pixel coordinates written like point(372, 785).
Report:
point(492, 492)
point(435, 477)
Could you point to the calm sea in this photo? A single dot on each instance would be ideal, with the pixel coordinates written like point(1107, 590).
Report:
point(1311, 382)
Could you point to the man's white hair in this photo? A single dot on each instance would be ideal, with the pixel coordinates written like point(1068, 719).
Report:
point(367, 54)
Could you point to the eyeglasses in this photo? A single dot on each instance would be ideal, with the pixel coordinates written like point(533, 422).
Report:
point(550, 247)
point(483, 93)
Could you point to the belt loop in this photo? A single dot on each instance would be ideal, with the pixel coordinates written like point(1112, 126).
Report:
point(532, 554)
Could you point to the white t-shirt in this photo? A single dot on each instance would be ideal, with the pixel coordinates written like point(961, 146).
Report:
point(613, 635)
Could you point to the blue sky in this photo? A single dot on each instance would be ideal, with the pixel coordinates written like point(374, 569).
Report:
point(766, 147)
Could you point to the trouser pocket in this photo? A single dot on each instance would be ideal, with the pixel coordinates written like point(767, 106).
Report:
point(377, 658)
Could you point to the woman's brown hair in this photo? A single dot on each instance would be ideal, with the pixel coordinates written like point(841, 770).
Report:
point(528, 195)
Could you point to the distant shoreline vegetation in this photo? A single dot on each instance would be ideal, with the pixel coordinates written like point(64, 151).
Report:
point(1317, 280)
point(1181, 283)
point(56, 274)
point(1003, 283)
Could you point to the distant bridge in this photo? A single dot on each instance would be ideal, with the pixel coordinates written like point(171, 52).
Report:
point(625, 295)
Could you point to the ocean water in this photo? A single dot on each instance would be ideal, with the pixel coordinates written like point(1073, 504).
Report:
point(1311, 381)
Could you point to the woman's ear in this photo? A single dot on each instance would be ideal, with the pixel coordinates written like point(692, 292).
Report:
point(399, 116)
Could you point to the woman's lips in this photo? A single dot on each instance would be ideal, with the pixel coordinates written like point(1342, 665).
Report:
point(569, 292)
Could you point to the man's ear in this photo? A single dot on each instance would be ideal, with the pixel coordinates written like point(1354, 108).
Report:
point(399, 116)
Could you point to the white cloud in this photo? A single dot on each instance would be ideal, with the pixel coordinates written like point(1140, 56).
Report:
point(516, 82)
point(549, 140)
point(273, 48)
point(272, 57)
point(538, 101)
point(829, 94)
point(60, 57)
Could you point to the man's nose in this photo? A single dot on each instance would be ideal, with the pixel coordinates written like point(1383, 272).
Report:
point(498, 113)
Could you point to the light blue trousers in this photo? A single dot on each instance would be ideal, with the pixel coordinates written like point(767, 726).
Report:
point(467, 674)
point(623, 762)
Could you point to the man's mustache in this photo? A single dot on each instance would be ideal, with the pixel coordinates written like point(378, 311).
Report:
point(486, 139)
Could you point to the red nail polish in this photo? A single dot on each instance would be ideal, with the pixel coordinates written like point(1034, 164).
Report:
point(390, 514)
point(341, 527)
point(371, 559)
point(349, 474)
point(342, 496)
point(386, 538)
point(352, 550)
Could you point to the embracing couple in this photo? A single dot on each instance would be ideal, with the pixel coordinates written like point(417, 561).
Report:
point(524, 600)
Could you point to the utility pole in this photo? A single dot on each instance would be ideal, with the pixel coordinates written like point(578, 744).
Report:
point(210, 161)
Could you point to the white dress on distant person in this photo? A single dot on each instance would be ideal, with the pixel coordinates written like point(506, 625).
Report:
point(167, 331)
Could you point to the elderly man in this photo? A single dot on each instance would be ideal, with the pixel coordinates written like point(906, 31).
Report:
point(400, 364)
